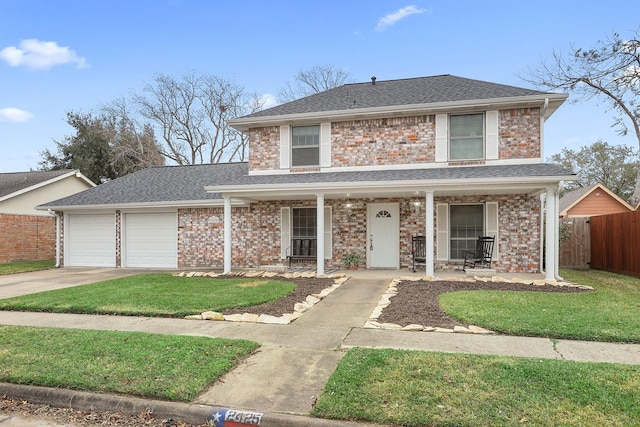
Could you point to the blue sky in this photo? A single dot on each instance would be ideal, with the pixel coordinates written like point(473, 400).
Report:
point(64, 55)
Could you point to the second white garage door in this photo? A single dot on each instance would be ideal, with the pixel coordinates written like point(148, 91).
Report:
point(150, 240)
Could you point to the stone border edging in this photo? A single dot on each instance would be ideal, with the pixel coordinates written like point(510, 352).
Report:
point(392, 290)
point(286, 318)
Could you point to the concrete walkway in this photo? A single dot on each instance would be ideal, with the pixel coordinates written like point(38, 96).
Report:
point(288, 372)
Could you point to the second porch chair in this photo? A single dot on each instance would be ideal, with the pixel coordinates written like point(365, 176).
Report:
point(481, 256)
point(418, 251)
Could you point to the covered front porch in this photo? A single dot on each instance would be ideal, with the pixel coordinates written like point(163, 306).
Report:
point(378, 220)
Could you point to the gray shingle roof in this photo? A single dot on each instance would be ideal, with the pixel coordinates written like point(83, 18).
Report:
point(17, 181)
point(186, 183)
point(157, 184)
point(420, 90)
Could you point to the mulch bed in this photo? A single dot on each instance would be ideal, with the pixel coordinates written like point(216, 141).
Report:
point(417, 302)
point(305, 286)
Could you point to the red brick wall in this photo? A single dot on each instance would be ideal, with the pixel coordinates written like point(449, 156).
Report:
point(27, 238)
point(401, 140)
point(256, 232)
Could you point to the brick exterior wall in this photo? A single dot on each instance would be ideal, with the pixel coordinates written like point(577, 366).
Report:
point(519, 133)
point(395, 141)
point(398, 141)
point(27, 238)
point(256, 232)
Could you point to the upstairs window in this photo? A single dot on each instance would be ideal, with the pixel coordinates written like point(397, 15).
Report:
point(305, 146)
point(466, 137)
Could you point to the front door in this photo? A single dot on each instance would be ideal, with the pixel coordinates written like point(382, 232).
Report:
point(383, 242)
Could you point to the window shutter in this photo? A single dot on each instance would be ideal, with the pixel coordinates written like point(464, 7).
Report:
point(442, 230)
point(491, 129)
point(491, 226)
point(285, 231)
point(328, 239)
point(325, 145)
point(442, 138)
point(285, 149)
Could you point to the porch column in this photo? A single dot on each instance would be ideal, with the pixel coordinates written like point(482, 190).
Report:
point(551, 236)
point(320, 235)
point(227, 234)
point(429, 237)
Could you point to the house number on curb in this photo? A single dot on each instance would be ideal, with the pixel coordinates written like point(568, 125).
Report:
point(231, 418)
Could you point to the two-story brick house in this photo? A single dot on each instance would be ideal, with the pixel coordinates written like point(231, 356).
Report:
point(356, 169)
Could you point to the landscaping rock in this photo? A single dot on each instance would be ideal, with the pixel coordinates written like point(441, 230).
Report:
point(212, 315)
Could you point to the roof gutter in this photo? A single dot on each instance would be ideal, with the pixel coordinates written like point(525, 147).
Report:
point(374, 186)
point(156, 205)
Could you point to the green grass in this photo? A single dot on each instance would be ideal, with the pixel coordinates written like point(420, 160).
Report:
point(411, 388)
point(25, 266)
point(610, 313)
point(149, 365)
point(153, 295)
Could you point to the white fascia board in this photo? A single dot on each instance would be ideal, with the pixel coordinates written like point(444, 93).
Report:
point(243, 124)
point(152, 205)
point(376, 186)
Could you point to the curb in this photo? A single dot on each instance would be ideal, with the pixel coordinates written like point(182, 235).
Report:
point(186, 412)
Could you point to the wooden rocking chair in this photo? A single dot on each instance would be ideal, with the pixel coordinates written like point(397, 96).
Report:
point(418, 251)
point(481, 256)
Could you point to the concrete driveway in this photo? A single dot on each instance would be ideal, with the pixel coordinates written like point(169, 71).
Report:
point(13, 285)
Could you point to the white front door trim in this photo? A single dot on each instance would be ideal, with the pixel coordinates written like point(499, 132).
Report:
point(383, 235)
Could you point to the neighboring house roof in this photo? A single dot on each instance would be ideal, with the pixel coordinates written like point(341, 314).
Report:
point(437, 92)
point(185, 185)
point(15, 183)
point(573, 198)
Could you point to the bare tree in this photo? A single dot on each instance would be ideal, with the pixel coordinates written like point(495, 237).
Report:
point(610, 71)
point(192, 112)
point(314, 80)
point(133, 146)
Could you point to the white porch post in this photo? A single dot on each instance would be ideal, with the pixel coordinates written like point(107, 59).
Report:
point(227, 234)
point(551, 236)
point(320, 235)
point(429, 237)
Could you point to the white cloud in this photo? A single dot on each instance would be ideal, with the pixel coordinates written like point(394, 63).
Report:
point(14, 115)
point(269, 101)
point(37, 54)
point(394, 17)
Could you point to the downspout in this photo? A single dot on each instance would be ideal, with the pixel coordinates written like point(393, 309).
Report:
point(57, 236)
point(542, 114)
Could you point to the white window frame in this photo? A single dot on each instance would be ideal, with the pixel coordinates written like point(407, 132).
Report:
point(443, 228)
point(305, 147)
point(286, 230)
point(490, 137)
point(324, 146)
point(452, 140)
point(482, 233)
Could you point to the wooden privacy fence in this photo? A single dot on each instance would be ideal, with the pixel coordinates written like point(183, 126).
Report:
point(615, 243)
point(575, 252)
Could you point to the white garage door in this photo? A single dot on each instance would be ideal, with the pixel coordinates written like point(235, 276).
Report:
point(90, 240)
point(151, 240)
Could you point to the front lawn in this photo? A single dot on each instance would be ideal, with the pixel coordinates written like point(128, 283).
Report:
point(25, 266)
point(149, 365)
point(154, 295)
point(412, 388)
point(610, 313)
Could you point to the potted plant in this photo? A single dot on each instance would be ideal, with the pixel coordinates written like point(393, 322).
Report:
point(351, 260)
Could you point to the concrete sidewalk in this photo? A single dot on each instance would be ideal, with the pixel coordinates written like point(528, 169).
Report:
point(284, 378)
